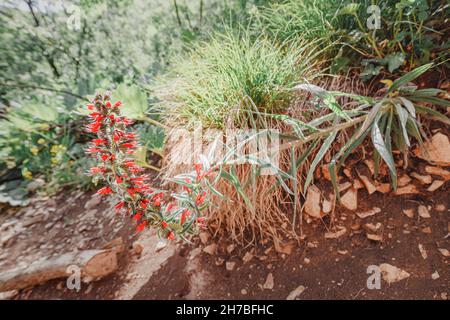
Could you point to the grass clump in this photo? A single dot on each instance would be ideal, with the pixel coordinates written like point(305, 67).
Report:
point(225, 77)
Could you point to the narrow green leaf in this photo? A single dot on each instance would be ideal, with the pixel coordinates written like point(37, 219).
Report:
point(380, 146)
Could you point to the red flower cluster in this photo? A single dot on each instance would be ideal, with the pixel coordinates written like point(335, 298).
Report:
point(173, 215)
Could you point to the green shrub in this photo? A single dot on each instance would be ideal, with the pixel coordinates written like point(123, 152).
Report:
point(230, 73)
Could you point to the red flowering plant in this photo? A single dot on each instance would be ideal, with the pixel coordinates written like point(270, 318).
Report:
point(174, 215)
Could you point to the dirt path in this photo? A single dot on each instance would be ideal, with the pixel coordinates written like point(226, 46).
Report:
point(320, 268)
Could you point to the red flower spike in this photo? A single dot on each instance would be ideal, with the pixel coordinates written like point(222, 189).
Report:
point(164, 224)
point(137, 216)
point(117, 104)
point(108, 104)
point(171, 235)
point(104, 191)
point(119, 205)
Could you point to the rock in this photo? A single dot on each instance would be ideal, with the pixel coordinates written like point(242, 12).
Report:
point(437, 171)
point(230, 248)
point(423, 252)
point(337, 234)
point(93, 202)
point(307, 260)
point(350, 199)
point(423, 212)
point(426, 230)
point(243, 292)
point(409, 213)
point(373, 227)
point(312, 203)
point(368, 184)
point(326, 206)
point(269, 282)
point(8, 295)
point(211, 249)
point(436, 150)
point(384, 187)
point(343, 252)
point(435, 185)
point(426, 179)
point(368, 213)
point(247, 257)
point(204, 237)
point(444, 252)
point(392, 274)
point(440, 208)
point(160, 245)
point(229, 265)
point(409, 189)
point(403, 180)
point(374, 237)
point(435, 275)
point(295, 293)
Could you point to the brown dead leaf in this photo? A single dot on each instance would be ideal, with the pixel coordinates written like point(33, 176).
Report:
point(368, 213)
point(312, 203)
point(409, 213)
point(423, 212)
point(438, 172)
point(423, 179)
point(337, 234)
point(435, 185)
point(409, 189)
point(403, 180)
point(436, 150)
point(350, 199)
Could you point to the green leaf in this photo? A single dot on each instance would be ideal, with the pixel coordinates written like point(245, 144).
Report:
point(134, 101)
point(409, 106)
point(409, 77)
point(435, 114)
point(320, 154)
point(394, 61)
point(384, 152)
point(403, 118)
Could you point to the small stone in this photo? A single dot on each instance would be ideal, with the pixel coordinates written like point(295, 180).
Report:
point(444, 252)
point(160, 245)
point(409, 213)
point(211, 249)
point(426, 230)
point(326, 206)
point(423, 252)
point(219, 261)
point(423, 212)
point(374, 237)
point(392, 274)
point(247, 257)
point(440, 207)
point(243, 292)
point(343, 252)
point(373, 227)
point(306, 260)
point(435, 185)
point(295, 293)
point(368, 213)
point(269, 282)
point(230, 248)
point(137, 248)
point(435, 275)
point(230, 265)
point(204, 237)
